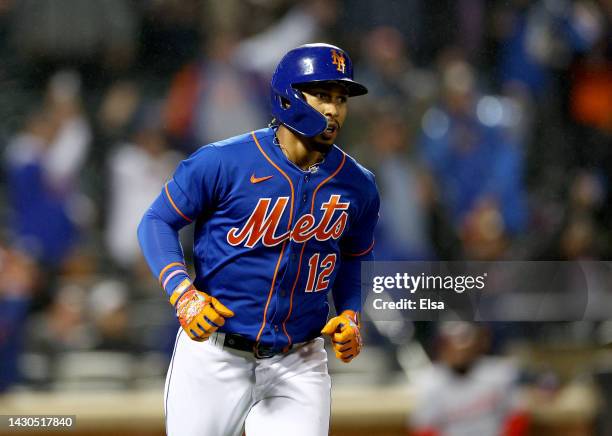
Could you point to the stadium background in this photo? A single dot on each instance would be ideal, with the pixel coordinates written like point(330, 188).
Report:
point(488, 124)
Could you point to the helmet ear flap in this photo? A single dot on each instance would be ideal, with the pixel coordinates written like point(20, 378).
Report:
point(284, 102)
point(290, 108)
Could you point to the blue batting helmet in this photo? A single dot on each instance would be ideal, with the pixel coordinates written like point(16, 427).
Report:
point(307, 64)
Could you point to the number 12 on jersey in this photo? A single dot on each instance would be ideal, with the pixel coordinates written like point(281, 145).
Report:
point(321, 279)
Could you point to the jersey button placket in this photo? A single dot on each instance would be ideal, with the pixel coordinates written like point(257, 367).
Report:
point(305, 195)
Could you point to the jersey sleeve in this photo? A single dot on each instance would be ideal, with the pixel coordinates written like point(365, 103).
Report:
point(192, 191)
point(359, 240)
point(356, 247)
point(195, 185)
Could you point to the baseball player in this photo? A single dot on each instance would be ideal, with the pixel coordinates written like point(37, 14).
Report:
point(467, 393)
point(282, 218)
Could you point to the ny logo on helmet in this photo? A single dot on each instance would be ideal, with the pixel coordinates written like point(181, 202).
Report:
point(338, 61)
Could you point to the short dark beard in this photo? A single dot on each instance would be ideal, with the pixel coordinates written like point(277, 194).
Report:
point(321, 147)
point(312, 144)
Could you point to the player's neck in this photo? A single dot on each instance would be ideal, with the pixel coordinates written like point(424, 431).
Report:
point(300, 150)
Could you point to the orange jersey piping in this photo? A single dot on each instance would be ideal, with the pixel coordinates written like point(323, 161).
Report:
point(270, 292)
point(314, 194)
point(174, 205)
point(366, 251)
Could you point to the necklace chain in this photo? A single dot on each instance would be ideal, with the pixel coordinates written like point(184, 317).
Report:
point(311, 169)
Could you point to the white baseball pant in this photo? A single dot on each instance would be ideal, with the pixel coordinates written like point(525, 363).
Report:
point(216, 391)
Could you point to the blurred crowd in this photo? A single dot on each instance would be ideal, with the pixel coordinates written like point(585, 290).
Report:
point(488, 125)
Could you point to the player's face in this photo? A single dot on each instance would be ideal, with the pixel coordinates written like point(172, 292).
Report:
point(330, 100)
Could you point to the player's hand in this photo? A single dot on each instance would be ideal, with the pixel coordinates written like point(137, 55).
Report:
point(200, 314)
point(344, 332)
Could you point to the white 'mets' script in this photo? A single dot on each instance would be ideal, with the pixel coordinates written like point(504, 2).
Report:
point(263, 225)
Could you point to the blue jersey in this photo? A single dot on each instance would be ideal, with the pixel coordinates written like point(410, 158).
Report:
point(271, 240)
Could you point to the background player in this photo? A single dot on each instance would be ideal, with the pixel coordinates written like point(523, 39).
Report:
point(466, 392)
point(282, 216)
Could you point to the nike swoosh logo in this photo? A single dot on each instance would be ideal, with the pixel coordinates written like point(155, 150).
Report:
point(259, 179)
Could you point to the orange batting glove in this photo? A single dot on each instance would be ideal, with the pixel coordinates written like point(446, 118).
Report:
point(200, 314)
point(344, 332)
